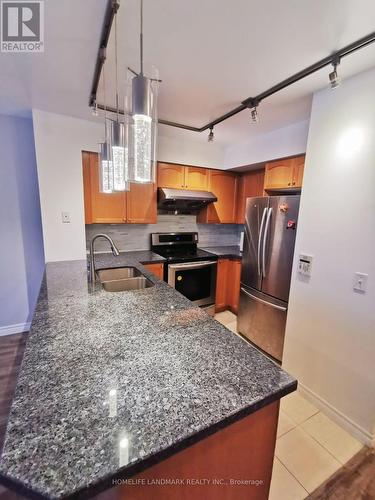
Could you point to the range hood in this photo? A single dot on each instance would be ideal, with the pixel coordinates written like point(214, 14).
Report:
point(183, 200)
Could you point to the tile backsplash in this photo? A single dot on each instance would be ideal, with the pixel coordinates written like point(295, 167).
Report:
point(137, 236)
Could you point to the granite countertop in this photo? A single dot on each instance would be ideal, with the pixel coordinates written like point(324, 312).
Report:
point(230, 252)
point(111, 383)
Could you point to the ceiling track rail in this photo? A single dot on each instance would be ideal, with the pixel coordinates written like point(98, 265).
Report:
point(250, 102)
point(111, 9)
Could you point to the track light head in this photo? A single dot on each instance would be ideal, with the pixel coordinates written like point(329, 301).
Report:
point(334, 79)
point(211, 135)
point(94, 109)
point(254, 114)
point(252, 104)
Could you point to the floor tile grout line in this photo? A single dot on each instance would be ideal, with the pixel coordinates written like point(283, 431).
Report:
point(326, 449)
point(291, 473)
point(297, 424)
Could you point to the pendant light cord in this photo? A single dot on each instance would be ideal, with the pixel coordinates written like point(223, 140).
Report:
point(141, 38)
point(105, 104)
point(116, 70)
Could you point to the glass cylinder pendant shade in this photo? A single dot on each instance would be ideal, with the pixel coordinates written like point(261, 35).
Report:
point(143, 129)
point(119, 156)
point(105, 169)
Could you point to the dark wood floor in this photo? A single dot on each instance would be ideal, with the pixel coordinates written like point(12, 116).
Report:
point(11, 353)
point(354, 481)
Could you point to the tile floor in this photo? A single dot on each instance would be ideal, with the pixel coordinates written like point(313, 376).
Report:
point(309, 448)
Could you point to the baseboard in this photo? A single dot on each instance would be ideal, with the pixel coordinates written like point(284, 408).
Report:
point(334, 414)
point(11, 329)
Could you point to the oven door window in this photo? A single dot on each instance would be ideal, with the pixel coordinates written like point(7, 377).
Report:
point(195, 284)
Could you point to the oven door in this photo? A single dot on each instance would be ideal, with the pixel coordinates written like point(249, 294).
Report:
point(195, 280)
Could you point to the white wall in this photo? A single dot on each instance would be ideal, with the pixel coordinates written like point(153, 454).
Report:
point(190, 151)
point(286, 141)
point(330, 336)
point(21, 248)
point(59, 141)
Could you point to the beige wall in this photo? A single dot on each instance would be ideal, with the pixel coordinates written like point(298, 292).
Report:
point(330, 337)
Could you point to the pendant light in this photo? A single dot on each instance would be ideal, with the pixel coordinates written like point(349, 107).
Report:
point(105, 157)
point(142, 121)
point(118, 139)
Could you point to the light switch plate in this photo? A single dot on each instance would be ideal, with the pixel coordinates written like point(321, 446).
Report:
point(360, 282)
point(305, 264)
point(65, 217)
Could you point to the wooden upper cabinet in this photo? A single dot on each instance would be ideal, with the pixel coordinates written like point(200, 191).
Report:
point(100, 208)
point(137, 206)
point(249, 184)
point(141, 204)
point(278, 174)
point(182, 177)
point(284, 173)
point(223, 185)
point(196, 178)
point(298, 168)
point(171, 175)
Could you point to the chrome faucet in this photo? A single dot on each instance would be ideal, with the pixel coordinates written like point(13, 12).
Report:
point(114, 249)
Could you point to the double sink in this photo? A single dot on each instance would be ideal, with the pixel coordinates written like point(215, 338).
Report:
point(123, 279)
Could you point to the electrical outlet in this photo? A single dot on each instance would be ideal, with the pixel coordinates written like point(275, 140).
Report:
point(305, 264)
point(360, 282)
point(65, 217)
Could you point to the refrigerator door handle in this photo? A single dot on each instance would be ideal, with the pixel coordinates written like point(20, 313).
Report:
point(265, 241)
point(280, 308)
point(260, 238)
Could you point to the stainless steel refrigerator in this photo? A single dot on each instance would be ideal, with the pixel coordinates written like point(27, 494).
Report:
point(270, 234)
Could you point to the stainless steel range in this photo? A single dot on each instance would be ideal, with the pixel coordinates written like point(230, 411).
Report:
point(188, 269)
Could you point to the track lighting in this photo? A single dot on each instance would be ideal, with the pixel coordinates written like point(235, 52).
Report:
point(254, 114)
point(94, 110)
point(211, 135)
point(334, 79)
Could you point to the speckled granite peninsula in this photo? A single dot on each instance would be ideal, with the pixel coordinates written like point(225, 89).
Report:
point(112, 383)
point(230, 252)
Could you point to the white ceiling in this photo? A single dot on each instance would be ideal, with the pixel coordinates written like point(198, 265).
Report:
point(211, 54)
point(58, 80)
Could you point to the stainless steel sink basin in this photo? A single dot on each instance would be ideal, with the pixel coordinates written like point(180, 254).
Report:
point(118, 273)
point(123, 279)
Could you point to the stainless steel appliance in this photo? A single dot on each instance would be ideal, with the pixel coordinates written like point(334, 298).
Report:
point(183, 200)
point(270, 233)
point(188, 269)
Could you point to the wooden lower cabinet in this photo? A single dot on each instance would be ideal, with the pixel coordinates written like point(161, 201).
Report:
point(234, 463)
point(137, 206)
point(234, 278)
point(228, 285)
point(157, 269)
point(221, 285)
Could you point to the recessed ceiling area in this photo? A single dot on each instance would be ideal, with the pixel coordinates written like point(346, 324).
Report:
point(211, 55)
point(58, 79)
